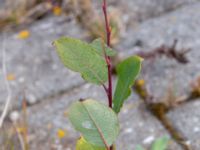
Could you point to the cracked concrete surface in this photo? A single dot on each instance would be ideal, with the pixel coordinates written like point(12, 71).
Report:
point(50, 88)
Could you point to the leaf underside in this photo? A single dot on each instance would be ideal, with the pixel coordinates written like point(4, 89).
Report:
point(100, 46)
point(83, 58)
point(127, 72)
point(97, 123)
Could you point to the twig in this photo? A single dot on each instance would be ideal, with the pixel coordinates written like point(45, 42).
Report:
point(107, 58)
point(9, 93)
point(168, 51)
point(25, 123)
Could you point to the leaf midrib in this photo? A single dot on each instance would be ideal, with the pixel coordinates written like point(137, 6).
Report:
point(98, 129)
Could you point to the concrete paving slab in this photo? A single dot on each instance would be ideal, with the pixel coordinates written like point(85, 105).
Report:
point(161, 73)
point(137, 125)
point(34, 63)
point(186, 118)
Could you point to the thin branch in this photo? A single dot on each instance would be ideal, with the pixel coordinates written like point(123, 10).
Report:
point(108, 30)
point(107, 58)
point(168, 51)
point(9, 93)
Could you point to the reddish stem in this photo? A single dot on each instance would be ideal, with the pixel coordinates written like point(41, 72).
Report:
point(107, 58)
point(108, 30)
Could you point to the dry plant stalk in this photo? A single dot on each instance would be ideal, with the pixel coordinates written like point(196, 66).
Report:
point(168, 51)
point(22, 12)
point(9, 95)
point(92, 21)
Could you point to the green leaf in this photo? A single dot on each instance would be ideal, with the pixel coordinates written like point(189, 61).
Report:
point(97, 44)
point(82, 144)
point(83, 58)
point(98, 123)
point(139, 147)
point(160, 144)
point(127, 72)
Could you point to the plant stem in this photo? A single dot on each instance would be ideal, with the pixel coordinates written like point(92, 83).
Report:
point(107, 58)
point(108, 30)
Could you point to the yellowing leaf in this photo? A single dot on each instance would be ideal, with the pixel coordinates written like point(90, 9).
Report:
point(82, 144)
point(23, 34)
point(141, 82)
point(61, 133)
point(21, 129)
point(10, 77)
point(57, 10)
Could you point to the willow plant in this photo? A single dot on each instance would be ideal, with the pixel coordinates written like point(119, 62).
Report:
point(98, 123)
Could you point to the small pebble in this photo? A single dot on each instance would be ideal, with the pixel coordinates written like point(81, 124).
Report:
point(149, 140)
point(31, 99)
point(196, 129)
point(128, 130)
point(14, 116)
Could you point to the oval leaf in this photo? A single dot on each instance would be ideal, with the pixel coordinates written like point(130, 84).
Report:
point(127, 72)
point(97, 123)
point(83, 58)
point(82, 144)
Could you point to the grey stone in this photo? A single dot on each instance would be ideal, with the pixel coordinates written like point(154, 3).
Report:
point(35, 64)
point(142, 10)
point(161, 73)
point(137, 10)
point(2, 3)
point(187, 119)
point(139, 127)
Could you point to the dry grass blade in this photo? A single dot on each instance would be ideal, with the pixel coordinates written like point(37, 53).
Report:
point(8, 99)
